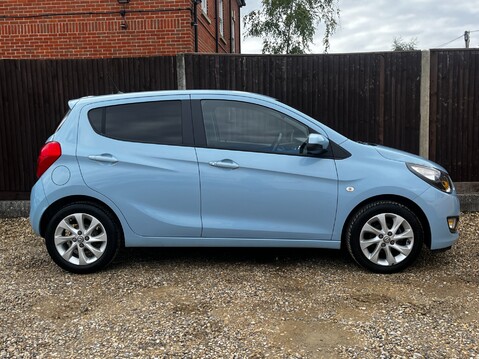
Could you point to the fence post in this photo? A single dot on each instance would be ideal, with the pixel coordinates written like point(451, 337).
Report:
point(424, 103)
point(180, 71)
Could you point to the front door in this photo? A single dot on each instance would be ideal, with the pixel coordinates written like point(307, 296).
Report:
point(255, 180)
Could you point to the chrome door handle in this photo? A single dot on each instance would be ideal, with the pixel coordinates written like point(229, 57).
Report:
point(230, 164)
point(107, 158)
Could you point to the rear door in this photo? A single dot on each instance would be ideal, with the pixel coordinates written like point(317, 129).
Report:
point(255, 181)
point(138, 153)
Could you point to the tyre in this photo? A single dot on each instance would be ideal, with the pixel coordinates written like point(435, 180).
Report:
point(82, 238)
point(384, 237)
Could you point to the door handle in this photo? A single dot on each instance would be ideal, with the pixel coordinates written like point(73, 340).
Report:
point(105, 157)
point(230, 164)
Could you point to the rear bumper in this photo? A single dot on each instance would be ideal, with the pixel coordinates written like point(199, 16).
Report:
point(38, 205)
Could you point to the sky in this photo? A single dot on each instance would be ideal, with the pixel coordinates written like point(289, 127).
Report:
point(367, 26)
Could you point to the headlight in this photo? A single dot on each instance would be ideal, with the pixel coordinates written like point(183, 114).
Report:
point(433, 176)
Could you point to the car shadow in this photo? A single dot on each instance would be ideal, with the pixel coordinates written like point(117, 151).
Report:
point(324, 259)
point(273, 256)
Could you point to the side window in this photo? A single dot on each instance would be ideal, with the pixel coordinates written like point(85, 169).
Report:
point(150, 122)
point(204, 6)
point(248, 127)
point(221, 18)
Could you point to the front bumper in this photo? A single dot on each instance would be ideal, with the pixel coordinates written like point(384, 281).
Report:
point(437, 207)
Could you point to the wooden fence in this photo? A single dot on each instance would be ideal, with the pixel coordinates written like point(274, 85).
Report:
point(372, 97)
point(33, 99)
point(454, 112)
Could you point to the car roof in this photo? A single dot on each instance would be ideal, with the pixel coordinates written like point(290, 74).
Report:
point(132, 95)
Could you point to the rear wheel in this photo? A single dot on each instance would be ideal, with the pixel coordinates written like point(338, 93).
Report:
point(82, 238)
point(384, 237)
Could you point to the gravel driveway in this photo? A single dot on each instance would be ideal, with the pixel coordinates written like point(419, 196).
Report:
point(228, 303)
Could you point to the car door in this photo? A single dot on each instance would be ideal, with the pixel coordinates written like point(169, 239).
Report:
point(138, 153)
point(255, 181)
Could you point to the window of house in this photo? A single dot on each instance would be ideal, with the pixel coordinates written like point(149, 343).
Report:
point(149, 122)
point(204, 6)
point(244, 126)
point(221, 17)
point(233, 31)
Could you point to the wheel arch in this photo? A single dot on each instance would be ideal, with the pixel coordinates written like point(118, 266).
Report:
point(62, 202)
point(399, 199)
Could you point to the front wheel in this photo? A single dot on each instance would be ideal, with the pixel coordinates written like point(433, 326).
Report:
point(384, 237)
point(82, 238)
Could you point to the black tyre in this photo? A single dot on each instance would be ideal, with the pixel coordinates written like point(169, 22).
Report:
point(82, 238)
point(384, 237)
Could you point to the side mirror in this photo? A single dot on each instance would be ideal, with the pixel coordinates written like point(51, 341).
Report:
point(316, 144)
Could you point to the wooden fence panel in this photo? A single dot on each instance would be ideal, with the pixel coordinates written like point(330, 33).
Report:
point(454, 112)
point(34, 95)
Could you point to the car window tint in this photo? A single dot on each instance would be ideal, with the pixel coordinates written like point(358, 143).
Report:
point(249, 127)
point(152, 122)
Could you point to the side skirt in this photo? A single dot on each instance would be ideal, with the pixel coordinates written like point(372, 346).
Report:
point(229, 242)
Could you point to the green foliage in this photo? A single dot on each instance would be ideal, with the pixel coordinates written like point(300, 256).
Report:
point(402, 45)
point(288, 26)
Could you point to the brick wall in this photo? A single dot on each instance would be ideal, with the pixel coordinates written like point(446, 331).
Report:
point(207, 28)
point(92, 28)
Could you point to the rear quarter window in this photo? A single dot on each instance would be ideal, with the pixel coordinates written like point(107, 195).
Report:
point(150, 122)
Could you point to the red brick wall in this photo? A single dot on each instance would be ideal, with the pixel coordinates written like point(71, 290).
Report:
point(94, 35)
point(207, 27)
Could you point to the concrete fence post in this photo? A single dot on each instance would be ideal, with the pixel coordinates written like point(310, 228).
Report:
point(180, 71)
point(424, 103)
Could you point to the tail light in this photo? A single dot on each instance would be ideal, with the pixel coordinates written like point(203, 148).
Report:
point(48, 155)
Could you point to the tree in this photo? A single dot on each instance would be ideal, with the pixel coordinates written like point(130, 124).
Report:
point(402, 45)
point(288, 26)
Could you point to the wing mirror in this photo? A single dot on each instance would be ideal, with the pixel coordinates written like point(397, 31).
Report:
point(316, 144)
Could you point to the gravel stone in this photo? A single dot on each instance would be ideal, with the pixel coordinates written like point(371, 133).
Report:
point(237, 303)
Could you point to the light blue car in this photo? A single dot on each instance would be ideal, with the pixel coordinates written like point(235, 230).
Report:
point(229, 169)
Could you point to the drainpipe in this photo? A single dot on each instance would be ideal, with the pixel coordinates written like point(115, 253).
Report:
point(195, 21)
point(241, 3)
point(216, 27)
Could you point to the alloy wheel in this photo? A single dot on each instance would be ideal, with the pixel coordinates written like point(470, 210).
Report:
point(80, 239)
point(386, 239)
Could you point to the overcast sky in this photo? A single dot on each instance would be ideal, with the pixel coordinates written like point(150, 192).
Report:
point(372, 25)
